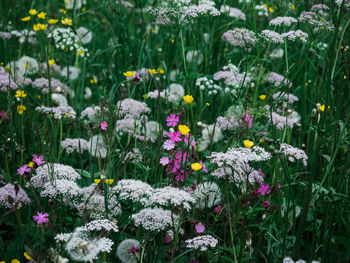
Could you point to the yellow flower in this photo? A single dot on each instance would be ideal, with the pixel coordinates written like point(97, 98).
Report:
point(262, 97)
point(328, 107)
point(39, 27)
point(51, 62)
point(196, 166)
point(93, 80)
point(322, 107)
point(161, 71)
point(20, 94)
point(109, 181)
point(80, 52)
point(67, 21)
point(33, 12)
point(293, 7)
point(15, 261)
point(145, 96)
point(30, 164)
point(188, 99)
point(184, 130)
point(261, 141)
point(129, 74)
point(2, 261)
point(97, 181)
point(27, 18)
point(248, 144)
point(172, 41)
point(306, 84)
point(21, 109)
point(153, 71)
point(83, 9)
point(207, 104)
point(27, 256)
point(271, 10)
point(41, 15)
point(52, 21)
point(63, 11)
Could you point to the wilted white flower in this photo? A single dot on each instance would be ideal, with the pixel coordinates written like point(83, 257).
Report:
point(97, 146)
point(87, 93)
point(125, 251)
point(84, 35)
point(30, 65)
point(175, 92)
point(194, 56)
point(59, 99)
point(70, 72)
point(207, 194)
point(76, 4)
point(102, 224)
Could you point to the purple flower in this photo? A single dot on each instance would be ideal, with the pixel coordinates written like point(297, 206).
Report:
point(41, 218)
point(263, 189)
point(217, 209)
point(248, 119)
point(38, 160)
point(172, 120)
point(266, 204)
point(175, 136)
point(199, 227)
point(3, 115)
point(168, 145)
point(164, 160)
point(24, 169)
point(167, 238)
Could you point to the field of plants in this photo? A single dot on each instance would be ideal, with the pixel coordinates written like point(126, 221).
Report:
point(180, 131)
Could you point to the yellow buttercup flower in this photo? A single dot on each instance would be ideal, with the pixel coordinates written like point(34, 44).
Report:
point(188, 99)
point(41, 15)
point(161, 71)
point(172, 41)
point(33, 12)
point(51, 62)
point(38, 27)
point(63, 11)
point(27, 18)
point(97, 181)
point(271, 10)
point(184, 130)
point(153, 71)
point(196, 166)
point(109, 181)
point(20, 94)
point(30, 164)
point(262, 97)
point(52, 21)
point(83, 9)
point(15, 261)
point(322, 107)
point(129, 74)
point(67, 21)
point(293, 7)
point(21, 109)
point(248, 144)
point(80, 52)
point(27, 256)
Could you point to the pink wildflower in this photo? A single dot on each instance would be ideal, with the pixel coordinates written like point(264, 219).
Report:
point(38, 160)
point(175, 136)
point(199, 227)
point(24, 169)
point(263, 189)
point(3, 115)
point(203, 167)
point(172, 120)
point(164, 160)
point(248, 119)
point(103, 125)
point(167, 238)
point(217, 209)
point(168, 145)
point(41, 218)
point(266, 204)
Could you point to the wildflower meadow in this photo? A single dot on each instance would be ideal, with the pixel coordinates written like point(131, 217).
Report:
point(180, 131)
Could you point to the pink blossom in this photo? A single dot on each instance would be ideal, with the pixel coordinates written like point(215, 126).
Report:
point(41, 218)
point(217, 209)
point(23, 169)
point(199, 227)
point(203, 167)
point(3, 115)
point(38, 160)
point(266, 204)
point(164, 160)
point(167, 238)
point(248, 119)
point(175, 136)
point(103, 125)
point(168, 145)
point(172, 120)
point(263, 189)
point(133, 249)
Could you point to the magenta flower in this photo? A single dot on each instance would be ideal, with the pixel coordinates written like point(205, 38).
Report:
point(3, 115)
point(263, 189)
point(38, 160)
point(266, 204)
point(172, 120)
point(41, 218)
point(164, 160)
point(248, 119)
point(203, 167)
point(168, 145)
point(175, 136)
point(167, 238)
point(103, 125)
point(133, 249)
point(199, 227)
point(24, 169)
point(217, 209)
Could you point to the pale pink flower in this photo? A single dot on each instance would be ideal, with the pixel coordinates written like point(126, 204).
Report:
point(168, 145)
point(41, 218)
point(103, 125)
point(24, 169)
point(164, 160)
point(199, 227)
point(39, 160)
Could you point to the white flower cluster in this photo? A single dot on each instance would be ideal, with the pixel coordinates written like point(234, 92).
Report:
point(170, 196)
point(202, 242)
point(208, 85)
point(62, 189)
point(240, 37)
point(271, 36)
point(207, 194)
point(97, 147)
point(155, 219)
point(233, 12)
point(100, 224)
point(58, 112)
point(133, 190)
point(290, 260)
point(293, 153)
point(70, 145)
point(295, 34)
point(283, 20)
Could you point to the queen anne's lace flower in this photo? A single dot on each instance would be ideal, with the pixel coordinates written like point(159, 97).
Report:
point(240, 37)
point(102, 224)
point(293, 153)
point(71, 145)
point(132, 107)
point(13, 196)
point(58, 112)
point(133, 190)
point(277, 79)
point(271, 36)
point(283, 20)
point(280, 121)
point(290, 98)
point(202, 242)
point(293, 35)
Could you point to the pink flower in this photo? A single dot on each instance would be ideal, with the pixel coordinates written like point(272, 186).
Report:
point(168, 145)
point(3, 115)
point(203, 167)
point(266, 204)
point(23, 169)
point(217, 209)
point(248, 119)
point(167, 238)
point(199, 227)
point(133, 249)
point(175, 136)
point(263, 189)
point(164, 160)
point(103, 125)
point(172, 120)
point(38, 160)
point(41, 218)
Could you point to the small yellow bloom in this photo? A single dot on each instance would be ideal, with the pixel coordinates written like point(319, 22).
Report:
point(328, 107)
point(188, 99)
point(306, 84)
point(39, 27)
point(207, 104)
point(41, 15)
point(51, 62)
point(104, 20)
point(20, 94)
point(93, 80)
point(109, 181)
point(33, 12)
point(172, 41)
point(248, 144)
point(21, 109)
point(265, 5)
point(145, 96)
point(322, 107)
point(129, 74)
point(262, 97)
point(52, 21)
point(261, 141)
point(63, 11)
point(15, 261)
point(80, 52)
point(97, 181)
point(2, 261)
point(161, 71)
point(27, 18)
point(66, 115)
point(27, 256)
point(67, 21)
point(83, 9)
point(196, 166)
point(184, 130)
point(30, 164)
point(153, 71)
point(271, 10)
point(293, 7)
